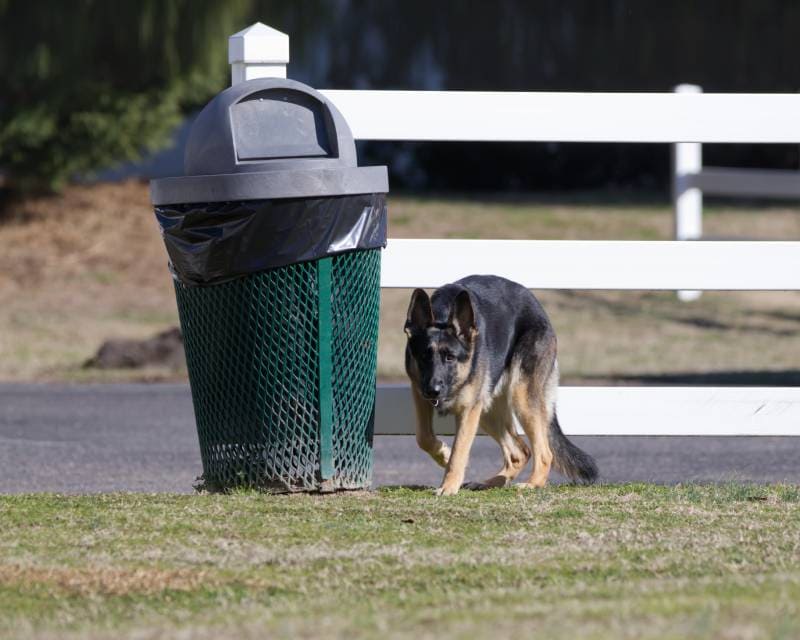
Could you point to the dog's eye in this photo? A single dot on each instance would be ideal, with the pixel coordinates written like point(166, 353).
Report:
point(449, 357)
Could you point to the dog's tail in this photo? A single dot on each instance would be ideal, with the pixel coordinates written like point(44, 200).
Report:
point(568, 459)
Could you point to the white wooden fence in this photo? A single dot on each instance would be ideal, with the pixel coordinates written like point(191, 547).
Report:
point(580, 117)
point(690, 180)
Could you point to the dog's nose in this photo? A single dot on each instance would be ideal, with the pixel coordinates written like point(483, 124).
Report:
point(434, 389)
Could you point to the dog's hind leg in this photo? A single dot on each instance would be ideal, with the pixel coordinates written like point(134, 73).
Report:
point(426, 439)
point(532, 414)
point(533, 403)
point(516, 453)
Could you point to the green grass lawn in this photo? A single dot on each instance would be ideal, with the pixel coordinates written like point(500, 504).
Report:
point(632, 561)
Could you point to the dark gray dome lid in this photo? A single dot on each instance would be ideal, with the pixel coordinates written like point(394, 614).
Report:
point(269, 138)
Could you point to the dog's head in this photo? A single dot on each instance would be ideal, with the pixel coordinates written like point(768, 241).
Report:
point(440, 350)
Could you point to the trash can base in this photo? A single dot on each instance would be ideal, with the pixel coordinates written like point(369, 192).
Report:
point(252, 350)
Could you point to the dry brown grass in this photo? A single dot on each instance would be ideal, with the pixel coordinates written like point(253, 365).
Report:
point(102, 580)
point(75, 270)
point(89, 265)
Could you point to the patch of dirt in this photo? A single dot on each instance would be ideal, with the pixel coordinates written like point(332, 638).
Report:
point(77, 269)
point(163, 349)
point(93, 581)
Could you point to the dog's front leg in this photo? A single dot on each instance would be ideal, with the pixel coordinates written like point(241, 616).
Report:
point(466, 428)
point(426, 439)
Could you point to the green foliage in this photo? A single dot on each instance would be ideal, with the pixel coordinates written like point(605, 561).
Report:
point(89, 83)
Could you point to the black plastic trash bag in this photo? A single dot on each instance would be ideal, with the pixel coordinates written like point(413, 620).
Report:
point(214, 242)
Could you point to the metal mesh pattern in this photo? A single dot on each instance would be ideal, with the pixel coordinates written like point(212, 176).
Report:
point(355, 291)
point(252, 348)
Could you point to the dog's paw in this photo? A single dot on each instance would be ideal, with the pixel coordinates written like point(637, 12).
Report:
point(524, 486)
point(446, 490)
point(442, 456)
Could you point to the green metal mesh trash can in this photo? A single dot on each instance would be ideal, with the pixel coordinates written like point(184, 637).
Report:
point(282, 368)
point(278, 293)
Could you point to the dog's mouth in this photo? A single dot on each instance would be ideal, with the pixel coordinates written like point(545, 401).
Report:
point(441, 405)
point(435, 401)
point(438, 402)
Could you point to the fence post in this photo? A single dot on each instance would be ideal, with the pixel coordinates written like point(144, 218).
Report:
point(687, 160)
point(258, 52)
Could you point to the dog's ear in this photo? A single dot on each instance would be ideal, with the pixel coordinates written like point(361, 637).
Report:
point(462, 317)
point(420, 313)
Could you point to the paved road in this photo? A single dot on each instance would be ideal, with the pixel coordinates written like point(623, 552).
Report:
point(97, 438)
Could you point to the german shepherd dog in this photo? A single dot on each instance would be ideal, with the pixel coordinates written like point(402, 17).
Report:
point(483, 349)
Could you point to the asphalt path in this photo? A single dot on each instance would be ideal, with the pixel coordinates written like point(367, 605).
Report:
point(137, 437)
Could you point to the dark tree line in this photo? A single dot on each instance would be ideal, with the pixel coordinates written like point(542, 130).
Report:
point(87, 83)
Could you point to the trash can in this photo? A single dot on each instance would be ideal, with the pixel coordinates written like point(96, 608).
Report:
point(274, 236)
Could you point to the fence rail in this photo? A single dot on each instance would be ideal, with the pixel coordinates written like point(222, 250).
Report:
point(597, 264)
point(763, 183)
point(687, 116)
point(569, 117)
point(690, 181)
point(637, 411)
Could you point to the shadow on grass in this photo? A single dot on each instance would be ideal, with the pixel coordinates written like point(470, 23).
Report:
point(405, 487)
point(635, 308)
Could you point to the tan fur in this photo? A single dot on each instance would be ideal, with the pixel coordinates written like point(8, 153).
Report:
point(470, 391)
point(531, 410)
point(467, 427)
point(426, 439)
point(527, 400)
point(498, 422)
point(533, 400)
point(516, 400)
